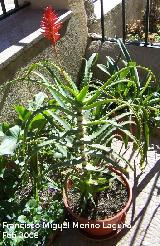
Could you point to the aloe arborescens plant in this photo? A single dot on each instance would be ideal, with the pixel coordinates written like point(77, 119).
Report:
point(76, 131)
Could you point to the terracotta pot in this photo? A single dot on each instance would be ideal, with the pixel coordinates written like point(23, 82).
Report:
point(106, 226)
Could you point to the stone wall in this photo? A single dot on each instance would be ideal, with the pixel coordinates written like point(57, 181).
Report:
point(113, 19)
point(91, 17)
point(147, 57)
point(135, 9)
point(71, 50)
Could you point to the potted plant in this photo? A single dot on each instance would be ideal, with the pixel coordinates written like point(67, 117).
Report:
point(78, 134)
point(80, 140)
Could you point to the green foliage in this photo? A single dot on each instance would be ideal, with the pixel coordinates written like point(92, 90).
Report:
point(72, 130)
point(18, 144)
point(19, 207)
point(137, 86)
point(10, 139)
point(75, 127)
point(78, 131)
point(89, 183)
point(22, 178)
point(32, 221)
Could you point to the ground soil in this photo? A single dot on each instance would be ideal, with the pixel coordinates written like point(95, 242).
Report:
point(108, 202)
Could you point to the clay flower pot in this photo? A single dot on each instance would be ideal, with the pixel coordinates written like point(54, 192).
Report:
point(102, 227)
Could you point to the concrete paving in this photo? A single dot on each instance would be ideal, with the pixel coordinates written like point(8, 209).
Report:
point(18, 26)
point(144, 213)
point(108, 5)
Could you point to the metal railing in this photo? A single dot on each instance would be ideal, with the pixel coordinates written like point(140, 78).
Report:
point(124, 25)
point(16, 7)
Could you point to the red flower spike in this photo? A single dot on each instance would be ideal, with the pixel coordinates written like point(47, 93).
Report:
point(51, 25)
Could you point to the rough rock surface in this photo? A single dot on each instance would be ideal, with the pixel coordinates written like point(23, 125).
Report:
point(91, 18)
point(71, 49)
point(113, 18)
point(146, 57)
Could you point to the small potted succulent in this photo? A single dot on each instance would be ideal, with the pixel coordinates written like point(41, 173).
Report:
point(80, 140)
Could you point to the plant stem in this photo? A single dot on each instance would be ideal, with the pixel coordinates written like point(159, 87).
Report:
point(81, 133)
point(56, 51)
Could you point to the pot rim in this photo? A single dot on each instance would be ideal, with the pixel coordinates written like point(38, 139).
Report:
point(126, 207)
